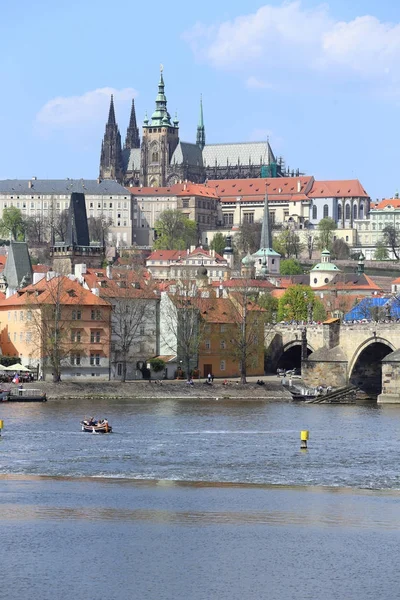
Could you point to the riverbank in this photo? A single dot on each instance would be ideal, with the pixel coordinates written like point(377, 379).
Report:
point(145, 390)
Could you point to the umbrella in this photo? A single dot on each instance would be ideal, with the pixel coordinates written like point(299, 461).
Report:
point(25, 370)
point(12, 368)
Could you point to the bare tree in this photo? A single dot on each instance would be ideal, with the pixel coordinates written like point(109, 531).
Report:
point(60, 224)
point(391, 238)
point(182, 328)
point(248, 320)
point(49, 323)
point(99, 228)
point(36, 229)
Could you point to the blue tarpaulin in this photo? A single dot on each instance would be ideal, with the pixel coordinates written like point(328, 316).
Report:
point(375, 309)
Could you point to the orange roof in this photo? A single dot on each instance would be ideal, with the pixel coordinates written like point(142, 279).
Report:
point(178, 189)
point(239, 283)
point(124, 284)
point(274, 186)
point(396, 281)
point(338, 189)
point(175, 255)
point(347, 283)
point(41, 268)
point(392, 202)
point(3, 260)
point(58, 289)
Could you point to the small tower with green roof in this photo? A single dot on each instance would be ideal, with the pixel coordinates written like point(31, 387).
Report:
point(323, 272)
point(159, 140)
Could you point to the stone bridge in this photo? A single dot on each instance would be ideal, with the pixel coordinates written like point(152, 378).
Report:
point(338, 353)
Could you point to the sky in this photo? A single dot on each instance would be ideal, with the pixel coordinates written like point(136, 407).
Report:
point(320, 80)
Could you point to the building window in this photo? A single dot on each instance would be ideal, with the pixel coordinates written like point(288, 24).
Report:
point(95, 337)
point(223, 328)
point(185, 203)
point(222, 365)
point(28, 336)
point(21, 315)
point(9, 315)
point(314, 213)
point(95, 315)
point(326, 211)
point(248, 217)
point(207, 344)
point(347, 212)
point(119, 369)
point(75, 335)
point(355, 211)
point(76, 359)
point(228, 219)
point(76, 315)
point(339, 212)
point(141, 330)
point(94, 359)
point(222, 345)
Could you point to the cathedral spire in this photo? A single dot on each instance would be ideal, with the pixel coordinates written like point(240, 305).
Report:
point(201, 132)
point(111, 151)
point(132, 139)
point(111, 112)
point(161, 116)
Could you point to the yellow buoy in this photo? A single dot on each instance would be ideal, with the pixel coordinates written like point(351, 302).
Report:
point(1, 425)
point(303, 438)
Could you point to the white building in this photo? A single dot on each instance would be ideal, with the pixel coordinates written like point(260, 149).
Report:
point(370, 231)
point(47, 197)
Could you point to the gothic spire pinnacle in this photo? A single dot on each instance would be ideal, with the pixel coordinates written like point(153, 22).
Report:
point(266, 238)
point(132, 139)
point(111, 112)
point(201, 132)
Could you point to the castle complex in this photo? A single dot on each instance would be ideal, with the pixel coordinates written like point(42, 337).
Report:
point(162, 159)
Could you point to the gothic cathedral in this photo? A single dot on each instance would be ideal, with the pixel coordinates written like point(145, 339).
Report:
point(162, 159)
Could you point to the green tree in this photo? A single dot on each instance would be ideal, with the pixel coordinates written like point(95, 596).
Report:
point(218, 243)
point(248, 238)
point(174, 231)
point(391, 238)
point(381, 252)
point(299, 303)
point(13, 224)
point(287, 243)
point(290, 266)
point(326, 227)
point(269, 304)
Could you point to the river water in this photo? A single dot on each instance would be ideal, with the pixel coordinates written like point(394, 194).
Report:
point(200, 500)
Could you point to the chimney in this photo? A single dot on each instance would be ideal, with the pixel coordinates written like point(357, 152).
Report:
point(109, 271)
point(80, 270)
point(38, 277)
point(95, 291)
point(299, 186)
point(30, 184)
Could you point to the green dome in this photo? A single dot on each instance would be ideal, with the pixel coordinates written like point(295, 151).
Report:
point(325, 267)
point(248, 261)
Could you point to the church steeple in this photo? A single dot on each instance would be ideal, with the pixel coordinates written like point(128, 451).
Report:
point(111, 151)
point(111, 113)
point(267, 260)
point(201, 132)
point(161, 116)
point(132, 139)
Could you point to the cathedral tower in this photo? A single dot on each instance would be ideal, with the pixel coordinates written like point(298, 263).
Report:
point(201, 132)
point(160, 138)
point(132, 139)
point(111, 152)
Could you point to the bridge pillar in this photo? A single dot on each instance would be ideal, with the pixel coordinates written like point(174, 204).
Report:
point(328, 365)
point(390, 379)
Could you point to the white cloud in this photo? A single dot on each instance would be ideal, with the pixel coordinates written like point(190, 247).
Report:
point(299, 39)
point(254, 82)
point(85, 110)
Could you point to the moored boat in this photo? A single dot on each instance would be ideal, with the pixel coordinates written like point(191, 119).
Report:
point(94, 426)
point(23, 395)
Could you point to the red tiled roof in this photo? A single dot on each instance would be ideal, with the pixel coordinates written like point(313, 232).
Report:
point(274, 186)
point(41, 268)
point(175, 255)
point(58, 289)
point(239, 283)
point(393, 202)
point(124, 284)
point(3, 260)
point(346, 188)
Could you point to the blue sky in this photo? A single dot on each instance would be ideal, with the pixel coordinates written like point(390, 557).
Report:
point(321, 80)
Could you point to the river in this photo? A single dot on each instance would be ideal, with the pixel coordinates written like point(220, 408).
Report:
point(200, 500)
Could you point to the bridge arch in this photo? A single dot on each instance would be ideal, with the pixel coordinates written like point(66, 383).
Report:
point(365, 367)
point(290, 355)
